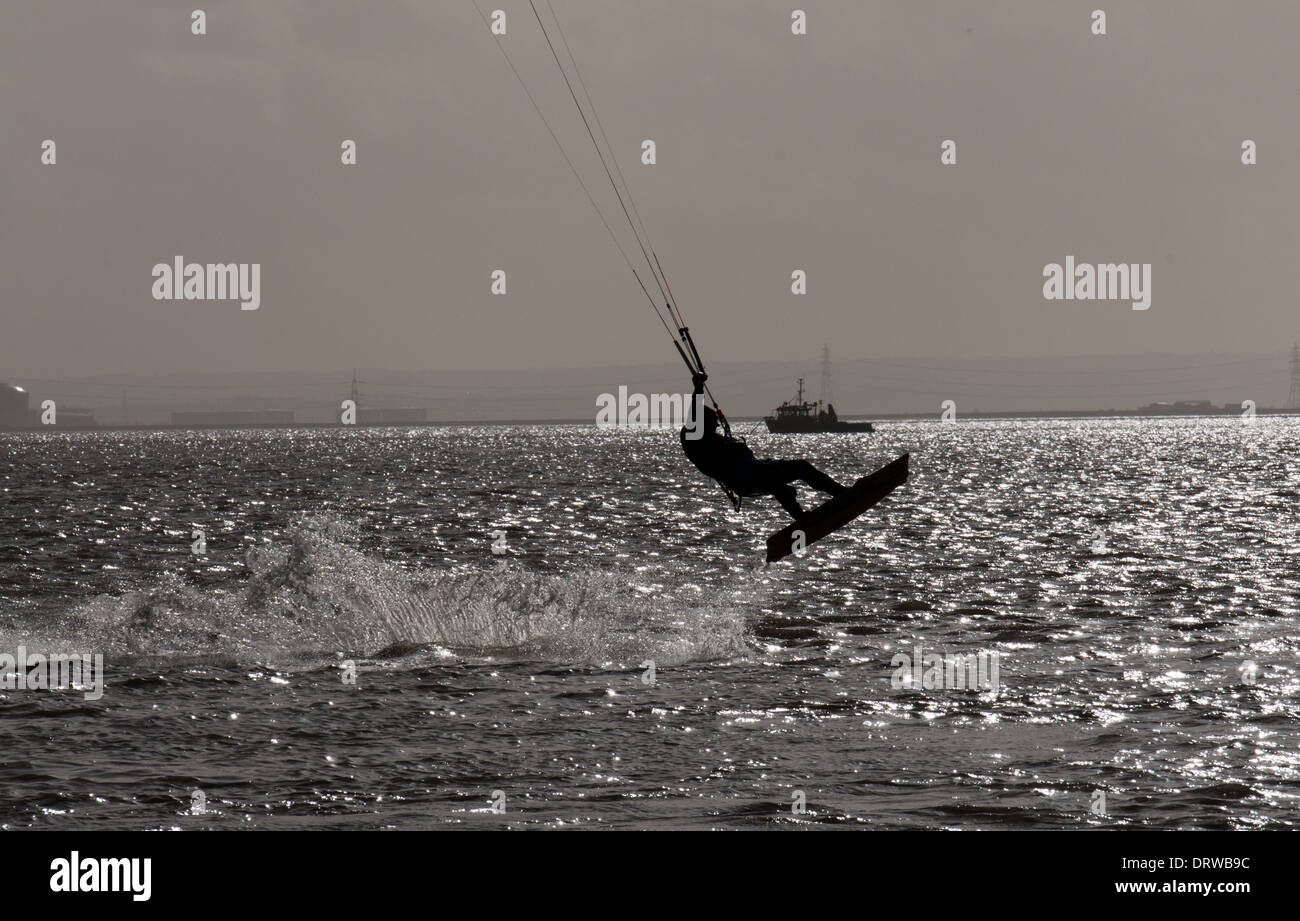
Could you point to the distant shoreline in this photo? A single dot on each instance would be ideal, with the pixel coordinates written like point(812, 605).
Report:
point(464, 423)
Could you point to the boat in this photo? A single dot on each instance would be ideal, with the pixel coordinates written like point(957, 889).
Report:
point(800, 415)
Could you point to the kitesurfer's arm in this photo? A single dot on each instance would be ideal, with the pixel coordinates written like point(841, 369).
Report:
point(698, 380)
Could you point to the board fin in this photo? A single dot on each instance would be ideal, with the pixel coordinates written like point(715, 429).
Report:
point(839, 510)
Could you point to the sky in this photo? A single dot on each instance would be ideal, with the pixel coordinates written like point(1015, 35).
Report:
point(775, 153)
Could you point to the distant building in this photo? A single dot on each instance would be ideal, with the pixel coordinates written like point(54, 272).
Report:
point(14, 411)
point(234, 417)
point(1180, 406)
point(74, 418)
point(401, 416)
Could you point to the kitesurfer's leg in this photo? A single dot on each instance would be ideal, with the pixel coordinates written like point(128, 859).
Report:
point(774, 476)
point(789, 501)
point(818, 480)
point(785, 471)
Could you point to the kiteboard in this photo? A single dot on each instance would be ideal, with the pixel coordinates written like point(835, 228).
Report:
point(838, 511)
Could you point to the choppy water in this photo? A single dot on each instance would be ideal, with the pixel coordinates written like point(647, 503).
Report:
point(1138, 579)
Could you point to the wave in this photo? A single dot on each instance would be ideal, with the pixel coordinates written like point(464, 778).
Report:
point(316, 597)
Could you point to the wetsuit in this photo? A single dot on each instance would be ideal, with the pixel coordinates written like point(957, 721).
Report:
point(732, 464)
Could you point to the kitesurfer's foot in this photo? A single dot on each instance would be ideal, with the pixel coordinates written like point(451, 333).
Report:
point(790, 502)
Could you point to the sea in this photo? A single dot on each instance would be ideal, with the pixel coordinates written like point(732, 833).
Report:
point(1085, 623)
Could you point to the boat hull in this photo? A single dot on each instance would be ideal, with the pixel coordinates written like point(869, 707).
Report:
point(800, 426)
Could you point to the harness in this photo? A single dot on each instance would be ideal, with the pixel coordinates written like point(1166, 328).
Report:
point(735, 499)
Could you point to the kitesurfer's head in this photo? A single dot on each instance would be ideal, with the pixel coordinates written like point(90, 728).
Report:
point(702, 424)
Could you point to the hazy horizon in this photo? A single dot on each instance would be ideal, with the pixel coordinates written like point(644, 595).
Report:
point(860, 388)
